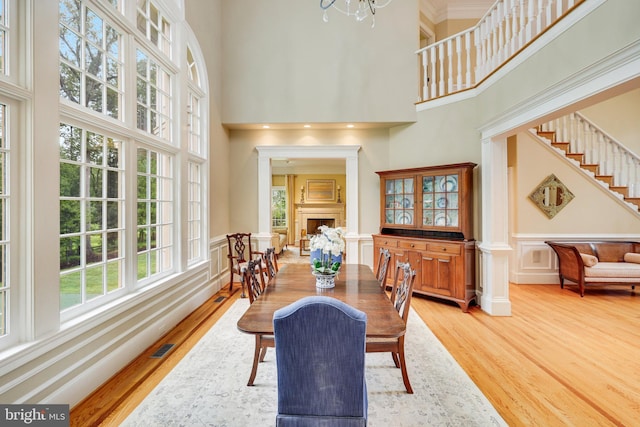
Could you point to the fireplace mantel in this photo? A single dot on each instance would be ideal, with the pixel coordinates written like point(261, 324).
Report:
point(304, 211)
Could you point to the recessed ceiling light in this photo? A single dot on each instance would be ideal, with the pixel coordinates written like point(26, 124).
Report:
point(350, 126)
point(307, 126)
point(265, 126)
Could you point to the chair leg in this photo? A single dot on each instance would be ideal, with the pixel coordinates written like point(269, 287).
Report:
point(256, 357)
point(263, 353)
point(403, 367)
point(230, 281)
point(242, 295)
point(395, 359)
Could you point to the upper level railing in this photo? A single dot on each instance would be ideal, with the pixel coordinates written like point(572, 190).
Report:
point(465, 59)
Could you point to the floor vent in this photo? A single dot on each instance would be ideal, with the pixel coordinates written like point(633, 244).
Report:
point(162, 351)
point(219, 299)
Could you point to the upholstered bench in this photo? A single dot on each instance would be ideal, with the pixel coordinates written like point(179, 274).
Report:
point(598, 263)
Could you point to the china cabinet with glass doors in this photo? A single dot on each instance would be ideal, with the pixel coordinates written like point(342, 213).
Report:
point(426, 219)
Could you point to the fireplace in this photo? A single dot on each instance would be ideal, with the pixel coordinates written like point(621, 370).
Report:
point(309, 216)
point(314, 223)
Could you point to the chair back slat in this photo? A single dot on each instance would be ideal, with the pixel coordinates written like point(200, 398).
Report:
point(383, 266)
point(253, 279)
point(270, 262)
point(403, 289)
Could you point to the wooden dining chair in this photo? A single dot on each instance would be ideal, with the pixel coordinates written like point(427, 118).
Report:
point(239, 245)
point(254, 279)
point(383, 267)
point(401, 300)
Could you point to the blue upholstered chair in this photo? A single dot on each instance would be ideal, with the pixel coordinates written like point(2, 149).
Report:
point(320, 352)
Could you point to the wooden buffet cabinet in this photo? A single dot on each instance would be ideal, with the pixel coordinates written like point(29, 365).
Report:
point(426, 219)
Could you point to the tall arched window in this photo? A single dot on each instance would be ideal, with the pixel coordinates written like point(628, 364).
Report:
point(122, 135)
point(197, 164)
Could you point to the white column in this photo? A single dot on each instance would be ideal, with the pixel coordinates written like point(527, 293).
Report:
point(494, 245)
point(353, 227)
point(264, 202)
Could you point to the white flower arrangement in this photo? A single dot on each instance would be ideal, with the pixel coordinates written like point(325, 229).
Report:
point(327, 245)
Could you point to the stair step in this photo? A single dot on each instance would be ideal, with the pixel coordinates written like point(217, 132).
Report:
point(561, 145)
point(578, 157)
point(607, 179)
point(622, 190)
point(590, 167)
point(550, 135)
point(634, 200)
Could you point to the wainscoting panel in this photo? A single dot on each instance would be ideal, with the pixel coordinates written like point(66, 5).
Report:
point(534, 262)
point(366, 250)
point(218, 262)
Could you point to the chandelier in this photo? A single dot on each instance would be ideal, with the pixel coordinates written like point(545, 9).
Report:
point(363, 9)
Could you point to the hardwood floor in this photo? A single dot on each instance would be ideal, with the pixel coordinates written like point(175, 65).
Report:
point(558, 360)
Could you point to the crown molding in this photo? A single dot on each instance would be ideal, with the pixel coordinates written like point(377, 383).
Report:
point(441, 10)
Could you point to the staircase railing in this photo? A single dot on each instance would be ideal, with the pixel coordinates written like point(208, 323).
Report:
point(463, 60)
point(600, 148)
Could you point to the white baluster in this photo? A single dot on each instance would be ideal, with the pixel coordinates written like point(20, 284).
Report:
point(559, 11)
point(609, 156)
point(530, 20)
point(549, 10)
point(467, 43)
point(460, 64)
point(494, 39)
point(538, 18)
point(478, 44)
point(514, 27)
point(626, 170)
point(522, 29)
point(587, 143)
point(449, 67)
point(441, 77)
point(501, 47)
point(602, 161)
point(432, 73)
point(425, 75)
point(617, 165)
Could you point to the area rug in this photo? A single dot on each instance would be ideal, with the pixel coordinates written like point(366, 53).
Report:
point(209, 385)
point(291, 255)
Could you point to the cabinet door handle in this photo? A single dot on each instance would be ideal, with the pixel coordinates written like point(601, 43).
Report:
point(444, 260)
point(413, 246)
point(428, 259)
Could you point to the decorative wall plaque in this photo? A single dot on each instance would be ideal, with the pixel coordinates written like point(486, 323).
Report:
point(551, 196)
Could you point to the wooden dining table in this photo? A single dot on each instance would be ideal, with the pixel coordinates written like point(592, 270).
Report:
point(356, 285)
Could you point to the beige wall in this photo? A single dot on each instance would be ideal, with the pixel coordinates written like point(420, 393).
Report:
point(204, 17)
point(620, 118)
point(450, 27)
point(283, 64)
point(592, 211)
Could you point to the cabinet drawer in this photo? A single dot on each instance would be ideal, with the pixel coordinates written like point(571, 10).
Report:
point(413, 245)
point(446, 248)
point(387, 243)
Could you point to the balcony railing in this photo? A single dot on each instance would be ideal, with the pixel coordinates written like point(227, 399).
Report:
point(464, 60)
